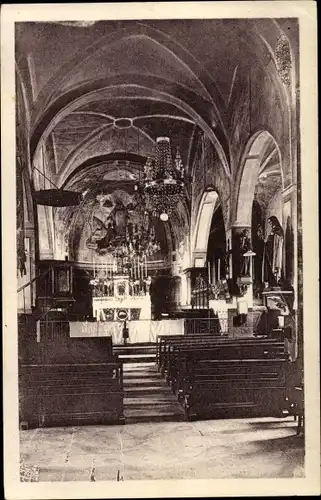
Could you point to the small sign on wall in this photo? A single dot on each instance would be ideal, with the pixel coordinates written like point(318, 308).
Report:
point(199, 262)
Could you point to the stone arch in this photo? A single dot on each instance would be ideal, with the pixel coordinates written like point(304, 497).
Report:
point(210, 201)
point(151, 88)
point(256, 163)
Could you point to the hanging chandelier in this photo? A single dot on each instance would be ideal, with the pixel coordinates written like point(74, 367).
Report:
point(164, 181)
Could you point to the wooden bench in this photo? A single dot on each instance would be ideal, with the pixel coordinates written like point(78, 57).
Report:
point(163, 343)
point(175, 368)
point(223, 388)
point(214, 376)
point(71, 394)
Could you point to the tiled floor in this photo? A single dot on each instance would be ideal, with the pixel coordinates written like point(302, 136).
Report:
point(251, 448)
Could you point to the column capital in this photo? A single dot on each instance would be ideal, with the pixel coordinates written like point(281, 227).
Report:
point(238, 225)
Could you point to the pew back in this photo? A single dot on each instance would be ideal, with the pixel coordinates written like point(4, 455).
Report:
point(222, 387)
point(71, 394)
point(215, 375)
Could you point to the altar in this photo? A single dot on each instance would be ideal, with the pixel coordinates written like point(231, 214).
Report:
point(121, 299)
point(139, 331)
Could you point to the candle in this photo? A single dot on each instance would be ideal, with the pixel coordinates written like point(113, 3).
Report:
point(209, 272)
point(145, 266)
point(218, 270)
point(281, 321)
point(213, 274)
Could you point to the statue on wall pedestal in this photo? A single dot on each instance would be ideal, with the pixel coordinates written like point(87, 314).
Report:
point(273, 253)
point(245, 261)
point(241, 261)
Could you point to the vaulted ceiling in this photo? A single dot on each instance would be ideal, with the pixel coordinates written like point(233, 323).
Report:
point(99, 94)
point(160, 77)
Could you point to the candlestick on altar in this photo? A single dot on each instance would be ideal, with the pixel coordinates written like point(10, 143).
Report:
point(145, 266)
point(209, 272)
point(281, 321)
point(218, 270)
point(213, 273)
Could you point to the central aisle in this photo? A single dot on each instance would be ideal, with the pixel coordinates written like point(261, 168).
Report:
point(147, 398)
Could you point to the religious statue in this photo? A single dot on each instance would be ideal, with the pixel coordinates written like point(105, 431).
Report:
point(227, 256)
point(119, 217)
point(273, 253)
point(245, 261)
point(109, 222)
point(22, 259)
point(63, 284)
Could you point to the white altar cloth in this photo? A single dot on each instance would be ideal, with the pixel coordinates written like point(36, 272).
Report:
point(139, 331)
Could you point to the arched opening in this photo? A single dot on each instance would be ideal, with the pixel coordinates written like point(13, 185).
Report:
point(259, 209)
point(260, 177)
point(209, 257)
point(209, 202)
point(216, 248)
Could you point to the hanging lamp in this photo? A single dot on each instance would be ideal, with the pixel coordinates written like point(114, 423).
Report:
point(55, 197)
point(164, 182)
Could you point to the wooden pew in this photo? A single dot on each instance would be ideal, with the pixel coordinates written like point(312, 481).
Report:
point(238, 349)
point(161, 341)
point(168, 343)
point(69, 380)
point(213, 377)
point(223, 388)
point(164, 341)
point(71, 394)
